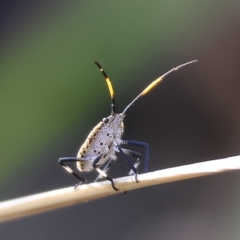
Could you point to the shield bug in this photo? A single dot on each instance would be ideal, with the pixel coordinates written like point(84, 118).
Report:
point(105, 139)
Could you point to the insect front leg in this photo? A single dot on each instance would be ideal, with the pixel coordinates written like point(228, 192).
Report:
point(140, 144)
point(72, 159)
point(95, 161)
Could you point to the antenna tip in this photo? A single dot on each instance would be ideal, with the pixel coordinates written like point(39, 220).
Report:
point(97, 64)
point(193, 61)
point(185, 64)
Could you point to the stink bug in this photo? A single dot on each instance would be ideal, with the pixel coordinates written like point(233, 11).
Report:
point(105, 139)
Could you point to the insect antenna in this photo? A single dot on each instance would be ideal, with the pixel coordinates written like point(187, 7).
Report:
point(110, 87)
point(155, 82)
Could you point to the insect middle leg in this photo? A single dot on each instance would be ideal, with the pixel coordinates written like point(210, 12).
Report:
point(105, 169)
point(95, 161)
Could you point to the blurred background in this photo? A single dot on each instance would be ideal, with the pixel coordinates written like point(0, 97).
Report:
point(52, 95)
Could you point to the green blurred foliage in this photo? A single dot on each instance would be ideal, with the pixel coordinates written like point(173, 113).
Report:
point(52, 94)
point(46, 71)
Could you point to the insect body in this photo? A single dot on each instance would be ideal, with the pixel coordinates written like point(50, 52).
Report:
point(105, 140)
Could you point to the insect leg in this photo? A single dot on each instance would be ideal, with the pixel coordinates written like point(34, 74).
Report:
point(140, 144)
point(71, 159)
point(95, 161)
point(133, 154)
point(133, 168)
point(105, 169)
point(126, 151)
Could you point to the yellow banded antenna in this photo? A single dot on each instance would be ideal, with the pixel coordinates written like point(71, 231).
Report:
point(155, 82)
point(109, 84)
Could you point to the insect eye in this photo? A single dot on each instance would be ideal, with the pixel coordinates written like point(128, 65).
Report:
point(105, 120)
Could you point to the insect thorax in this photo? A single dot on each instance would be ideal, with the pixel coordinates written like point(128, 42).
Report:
point(100, 142)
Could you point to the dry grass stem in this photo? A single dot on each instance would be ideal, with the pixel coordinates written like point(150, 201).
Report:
point(41, 202)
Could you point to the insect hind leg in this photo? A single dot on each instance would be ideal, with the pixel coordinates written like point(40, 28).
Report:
point(140, 144)
point(133, 168)
point(128, 152)
point(71, 159)
point(133, 154)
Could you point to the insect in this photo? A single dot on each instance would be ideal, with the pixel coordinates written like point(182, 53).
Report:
point(105, 140)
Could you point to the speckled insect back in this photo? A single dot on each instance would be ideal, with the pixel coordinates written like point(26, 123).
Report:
point(102, 143)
